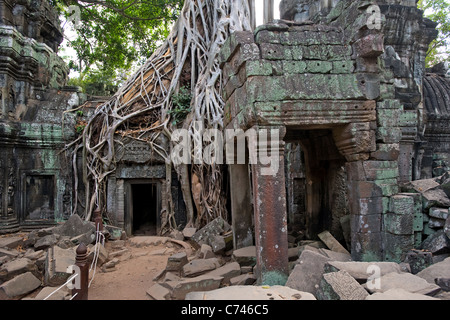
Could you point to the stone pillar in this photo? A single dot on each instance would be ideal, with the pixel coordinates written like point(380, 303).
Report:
point(241, 205)
point(269, 198)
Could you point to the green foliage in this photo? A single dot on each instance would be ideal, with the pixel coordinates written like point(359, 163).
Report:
point(438, 11)
point(115, 34)
point(181, 105)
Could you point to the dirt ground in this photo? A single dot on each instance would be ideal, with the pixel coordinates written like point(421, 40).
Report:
point(133, 275)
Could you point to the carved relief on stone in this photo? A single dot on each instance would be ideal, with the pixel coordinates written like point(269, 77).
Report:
point(11, 192)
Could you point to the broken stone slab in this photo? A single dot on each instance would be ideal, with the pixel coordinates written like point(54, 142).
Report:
point(158, 292)
point(332, 243)
point(340, 286)
point(56, 264)
point(447, 227)
point(177, 261)
point(439, 213)
point(215, 227)
point(251, 293)
point(11, 242)
point(443, 283)
point(20, 285)
point(436, 271)
point(246, 279)
point(418, 260)
point(17, 266)
point(189, 232)
point(180, 288)
point(308, 272)
point(200, 266)
point(406, 281)
point(206, 252)
point(61, 294)
point(361, 271)
point(217, 243)
point(245, 256)
point(436, 243)
point(74, 227)
point(227, 271)
point(10, 253)
point(46, 241)
point(398, 294)
point(99, 250)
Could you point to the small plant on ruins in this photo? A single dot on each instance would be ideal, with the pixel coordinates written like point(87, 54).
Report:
point(181, 105)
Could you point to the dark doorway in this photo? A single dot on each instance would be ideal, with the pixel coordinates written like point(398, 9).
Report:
point(145, 208)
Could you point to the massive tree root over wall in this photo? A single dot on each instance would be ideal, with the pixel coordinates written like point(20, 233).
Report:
point(144, 108)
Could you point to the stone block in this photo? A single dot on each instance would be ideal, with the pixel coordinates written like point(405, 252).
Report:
point(343, 67)
point(379, 170)
point(217, 243)
point(418, 260)
point(57, 262)
point(176, 262)
point(332, 243)
point(399, 294)
point(62, 294)
point(246, 279)
point(200, 266)
point(370, 46)
point(399, 224)
point(189, 232)
point(397, 245)
point(437, 243)
point(366, 223)
point(234, 41)
point(270, 51)
point(436, 271)
point(291, 67)
point(245, 256)
point(180, 288)
point(158, 292)
point(406, 281)
point(215, 227)
point(439, 213)
point(436, 223)
point(20, 285)
point(268, 36)
point(227, 271)
point(308, 272)
point(447, 227)
point(362, 271)
point(47, 241)
point(340, 286)
point(11, 242)
point(389, 135)
point(387, 152)
point(239, 293)
point(16, 267)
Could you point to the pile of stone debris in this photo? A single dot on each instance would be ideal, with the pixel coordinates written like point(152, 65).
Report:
point(208, 268)
point(40, 259)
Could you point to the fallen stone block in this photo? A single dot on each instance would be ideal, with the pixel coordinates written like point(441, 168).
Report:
point(439, 213)
point(74, 227)
point(361, 271)
point(436, 243)
point(246, 279)
point(46, 241)
point(340, 286)
point(443, 283)
point(251, 293)
point(332, 243)
point(11, 242)
point(15, 267)
point(418, 260)
point(56, 264)
point(180, 288)
point(61, 294)
point(176, 262)
point(199, 266)
point(20, 285)
point(215, 227)
point(227, 271)
point(398, 294)
point(436, 271)
point(189, 232)
point(158, 292)
point(245, 256)
point(217, 243)
point(206, 252)
point(99, 250)
point(144, 241)
point(447, 227)
point(308, 272)
point(406, 281)
point(10, 253)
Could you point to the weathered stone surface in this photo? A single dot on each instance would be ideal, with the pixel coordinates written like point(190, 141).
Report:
point(406, 281)
point(251, 293)
point(361, 271)
point(398, 294)
point(57, 262)
point(20, 285)
point(418, 260)
point(16, 267)
point(144, 241)
point(245, 256)
point(437, 243)
point(435, 271)
point(75, 227)
point(11, 242)
point(200, 266)
point(177, 261)
point(243, 280)
point(215, 227)
point(180, 288)
point(47, 241)
point(308, 272)
point(102, 253)
point(217, 243)
point(61, 294)
point(189, 232)
point(447, 227)
point(227, 271)
point(340, 286)
point(332, 243)
point(158, 292)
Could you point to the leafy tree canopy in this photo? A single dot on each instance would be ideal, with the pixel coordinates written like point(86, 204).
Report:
point(438, 11)
point(111, 35)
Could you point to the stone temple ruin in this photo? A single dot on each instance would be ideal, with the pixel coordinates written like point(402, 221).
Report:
point(364, 129)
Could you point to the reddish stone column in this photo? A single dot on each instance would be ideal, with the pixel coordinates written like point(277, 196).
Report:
point(269, 195)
